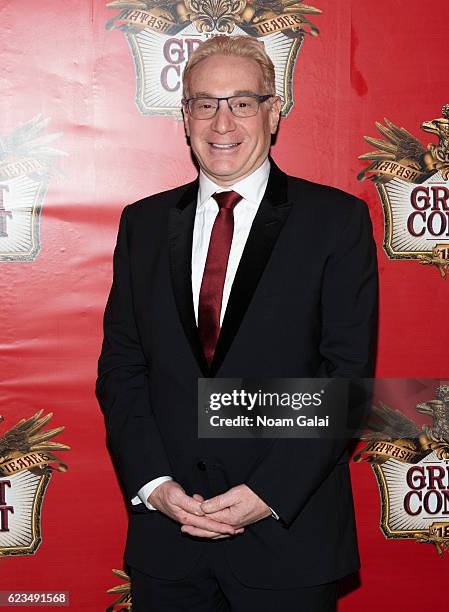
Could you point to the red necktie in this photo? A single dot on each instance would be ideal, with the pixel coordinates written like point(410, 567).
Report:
point(211, 292)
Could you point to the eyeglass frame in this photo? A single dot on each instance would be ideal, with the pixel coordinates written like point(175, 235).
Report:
point(258, 97)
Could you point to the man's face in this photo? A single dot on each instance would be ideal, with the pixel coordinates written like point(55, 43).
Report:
point(229, 75)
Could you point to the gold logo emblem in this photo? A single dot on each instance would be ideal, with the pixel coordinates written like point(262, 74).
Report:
point(124, 590)
point(411, 465)
point(163, 34)
point(26, 167)
point(26, 465)
point(413, 184)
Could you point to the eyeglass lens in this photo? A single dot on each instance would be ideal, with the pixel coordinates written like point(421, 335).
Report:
point(241, 106)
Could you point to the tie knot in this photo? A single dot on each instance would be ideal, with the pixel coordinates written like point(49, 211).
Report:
point(227, 199)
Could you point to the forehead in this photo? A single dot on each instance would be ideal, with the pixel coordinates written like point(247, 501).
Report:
point(223, 75)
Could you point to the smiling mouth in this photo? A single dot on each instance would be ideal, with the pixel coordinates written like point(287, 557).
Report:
point(224, 147)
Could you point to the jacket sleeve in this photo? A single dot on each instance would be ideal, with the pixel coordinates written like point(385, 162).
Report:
point(293, 469)
point(122, 385)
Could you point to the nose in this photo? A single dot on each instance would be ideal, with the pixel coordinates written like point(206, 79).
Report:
point(224, 119)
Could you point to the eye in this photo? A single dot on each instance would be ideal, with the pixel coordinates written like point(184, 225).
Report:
point(203, 104)
point(244, 103)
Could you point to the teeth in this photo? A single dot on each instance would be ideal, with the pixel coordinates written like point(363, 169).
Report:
point(224, 146)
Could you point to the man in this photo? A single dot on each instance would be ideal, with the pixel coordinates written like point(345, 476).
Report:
point(275, 277)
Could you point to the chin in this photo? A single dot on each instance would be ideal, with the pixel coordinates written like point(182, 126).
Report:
point(227, 167)
point(223, 169)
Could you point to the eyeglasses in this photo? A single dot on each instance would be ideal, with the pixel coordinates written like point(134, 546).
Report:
point(240, 106)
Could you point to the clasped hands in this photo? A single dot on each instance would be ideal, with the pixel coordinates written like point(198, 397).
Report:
point(218, 517)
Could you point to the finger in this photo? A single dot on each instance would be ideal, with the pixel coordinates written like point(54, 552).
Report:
point(220, 502)
point(236, 532)
point(190, 504)
point(221, 535)
point(203, 533)
point(207, 524)
point(224, 516)
point(198, 497)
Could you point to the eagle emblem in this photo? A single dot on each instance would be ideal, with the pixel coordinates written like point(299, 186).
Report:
point(413, 184)
point(27, 159)
point(162, 34)
point(411, 466)
point(26, 465)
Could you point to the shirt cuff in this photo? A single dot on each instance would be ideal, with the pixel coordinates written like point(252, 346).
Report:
point(274, 514)
point(144, 492)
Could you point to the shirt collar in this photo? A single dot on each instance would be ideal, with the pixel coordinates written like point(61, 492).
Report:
point(251, 188)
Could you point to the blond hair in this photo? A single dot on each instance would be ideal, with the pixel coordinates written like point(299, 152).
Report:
point(243, 46)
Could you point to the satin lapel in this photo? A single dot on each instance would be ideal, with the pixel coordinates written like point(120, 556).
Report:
point(180, 228)
point(270, 217)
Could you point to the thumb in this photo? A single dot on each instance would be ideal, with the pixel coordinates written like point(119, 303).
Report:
point(198, 497)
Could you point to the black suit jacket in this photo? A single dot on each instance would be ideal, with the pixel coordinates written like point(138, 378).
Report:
point(303, 304)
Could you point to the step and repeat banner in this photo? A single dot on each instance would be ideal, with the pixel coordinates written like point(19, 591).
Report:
point(89, 122)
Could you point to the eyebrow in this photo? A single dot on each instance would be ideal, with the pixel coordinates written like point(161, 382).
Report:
point(238, 92)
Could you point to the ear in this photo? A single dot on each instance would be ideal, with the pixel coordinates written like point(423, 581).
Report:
point(275, 114)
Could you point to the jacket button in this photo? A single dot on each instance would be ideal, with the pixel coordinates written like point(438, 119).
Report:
point(201, 466)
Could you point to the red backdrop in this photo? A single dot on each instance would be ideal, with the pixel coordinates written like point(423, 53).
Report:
point(372, 60)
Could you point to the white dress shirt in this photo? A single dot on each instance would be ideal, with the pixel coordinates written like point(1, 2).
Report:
point(252, 189)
